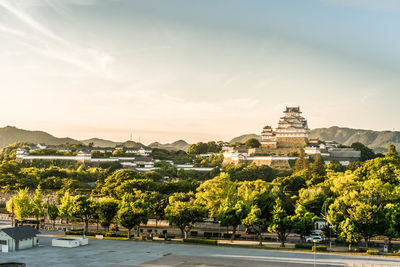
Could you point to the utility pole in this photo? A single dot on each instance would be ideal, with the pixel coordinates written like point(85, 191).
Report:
point(315, 251)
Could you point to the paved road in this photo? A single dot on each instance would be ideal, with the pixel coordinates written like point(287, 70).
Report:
point(135, 253)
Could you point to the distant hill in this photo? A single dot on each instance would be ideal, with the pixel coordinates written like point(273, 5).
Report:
point(97, 142)
point(133, 144)
point(11, 134)
point(379, 141)
point(177, 145)
point(244, 138)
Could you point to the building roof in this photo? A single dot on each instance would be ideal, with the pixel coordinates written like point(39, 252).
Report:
point(292, 109)
point(21, 232)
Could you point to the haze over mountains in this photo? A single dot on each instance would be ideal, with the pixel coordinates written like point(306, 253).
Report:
point(377, 140)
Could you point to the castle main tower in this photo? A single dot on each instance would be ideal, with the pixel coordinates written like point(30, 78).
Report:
point(292, 131)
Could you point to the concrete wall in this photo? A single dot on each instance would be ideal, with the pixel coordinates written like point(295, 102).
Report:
point(24, 244)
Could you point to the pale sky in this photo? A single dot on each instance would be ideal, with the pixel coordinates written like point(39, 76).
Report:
point(196, 70)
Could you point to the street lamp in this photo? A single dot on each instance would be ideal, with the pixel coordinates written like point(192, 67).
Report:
point(315, 251)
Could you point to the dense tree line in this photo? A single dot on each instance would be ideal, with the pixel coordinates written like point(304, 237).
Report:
point(360, 201)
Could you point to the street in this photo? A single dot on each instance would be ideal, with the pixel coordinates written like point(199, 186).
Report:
point(146, 253)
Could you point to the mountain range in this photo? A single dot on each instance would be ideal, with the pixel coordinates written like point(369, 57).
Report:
point(377, 140)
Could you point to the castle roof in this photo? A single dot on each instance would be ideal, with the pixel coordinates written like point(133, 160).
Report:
point(292, 110)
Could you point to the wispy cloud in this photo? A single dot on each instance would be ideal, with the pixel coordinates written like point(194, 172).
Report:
point(44, 41)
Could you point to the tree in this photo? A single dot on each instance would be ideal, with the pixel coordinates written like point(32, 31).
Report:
point(211, 193)
point(22, 205)
point(281, 223)
point(318, 166)
point(349, 232)
point(257, 198)
point(10, 209)
point(184, 214)
point(303, 220)
point(157, 203)
point(367, 219)
point(65, 208)
point(53, 213)
point(392, 152)
point(37, 206)
point(231, 213)
point(130, 216)
point(301, 162)
point(312, 199)
point(392, 222)
point(255, 221)
point(107, 210)
point(252, 143)
point(366, 152)
point(82, 207)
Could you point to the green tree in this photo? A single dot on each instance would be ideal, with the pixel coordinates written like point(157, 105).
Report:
point(157, 203)
point(211, 193)
point(37, 206)
point(53, 213)
point(107, 210)
point(392, 152)
point(65, 208)
point(349, 232)
point(303, 221)
point(82, 207)
point(318, 166)
point(255, 221)
point(257, 197)
point(252, 143)
point(367, 219)
point(301, 163)
point(128, 219)
point(184, 214)
point(131, 215)
point(281, 223)
point(366, 152)
point(22, 205)
point(392, 222)
point(312, 199)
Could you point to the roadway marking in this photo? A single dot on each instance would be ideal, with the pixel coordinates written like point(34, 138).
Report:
point(280, 259)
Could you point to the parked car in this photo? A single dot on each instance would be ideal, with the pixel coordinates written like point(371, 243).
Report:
point(314, 238)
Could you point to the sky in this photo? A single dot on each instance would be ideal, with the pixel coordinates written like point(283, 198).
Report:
point(164, 70)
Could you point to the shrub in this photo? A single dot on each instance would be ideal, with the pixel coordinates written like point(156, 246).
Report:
point(73, 232)
point(149, 230)
point(115, 235)
point(164, 232)
point(94, 233)
point(360, 250)
point(319, 248)
point(201, 241)
point(373, 252)
point(76, 229)
point(303, 246)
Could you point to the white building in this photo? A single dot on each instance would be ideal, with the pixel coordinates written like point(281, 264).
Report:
point(17, 238)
